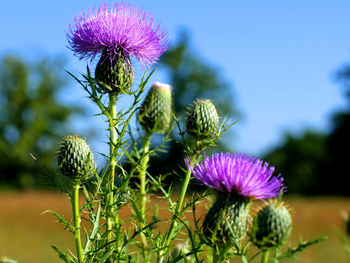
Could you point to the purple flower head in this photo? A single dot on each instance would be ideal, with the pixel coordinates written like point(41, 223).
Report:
point(244, 175)
point(120, 30)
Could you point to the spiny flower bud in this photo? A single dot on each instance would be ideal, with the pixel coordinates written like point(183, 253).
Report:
point(75, 159)
point(114, 75)
point(203, 119)
point(155, 111)
point(227, 220)
point(272, 226)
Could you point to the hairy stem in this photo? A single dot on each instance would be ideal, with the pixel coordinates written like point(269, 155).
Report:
point(265, 256)
point(76, 221)
point(178, 209)
point(112, 162)
point(144, 163)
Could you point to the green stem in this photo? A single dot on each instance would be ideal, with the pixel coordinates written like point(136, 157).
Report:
point(265, 256)
point(76, 221)
point(216, 256)
point(183, 191)
point(144, 163)
point(178, 209)
point(112, 162)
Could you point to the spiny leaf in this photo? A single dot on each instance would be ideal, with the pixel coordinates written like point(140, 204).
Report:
point(63, 255)
point(60, 219)
point(290, 253)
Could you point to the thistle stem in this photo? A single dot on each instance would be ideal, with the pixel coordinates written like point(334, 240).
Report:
point(112, 162)
point(216, 256)
point(144, 163)
point(183, 191)
point(76, 221)
point(178, 208)
point(265, 256)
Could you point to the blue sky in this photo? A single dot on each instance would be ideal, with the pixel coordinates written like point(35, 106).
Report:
point(280, 56)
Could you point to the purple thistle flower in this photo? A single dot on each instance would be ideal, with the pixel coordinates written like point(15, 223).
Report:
point(120, 30)
point(238, 173)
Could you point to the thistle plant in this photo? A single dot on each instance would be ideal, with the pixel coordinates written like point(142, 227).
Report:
point(239, 180)
point(155, 117)
point(117, 35)
point(75, 161)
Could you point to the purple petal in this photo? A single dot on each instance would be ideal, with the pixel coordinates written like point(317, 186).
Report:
point(238, 173)
point(121, 30)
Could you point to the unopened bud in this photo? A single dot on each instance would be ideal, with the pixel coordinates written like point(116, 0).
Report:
point(203, 120)
point(272, 226)
point(155, 111)
point(75, 159)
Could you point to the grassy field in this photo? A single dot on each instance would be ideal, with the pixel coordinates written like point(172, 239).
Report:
point(26, 233)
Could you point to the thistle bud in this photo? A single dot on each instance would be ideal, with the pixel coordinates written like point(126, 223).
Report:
point(227, 220)
point(272, 226)
point(75, 159)
point(114, 75)
point(203, 120)
point(155, 111)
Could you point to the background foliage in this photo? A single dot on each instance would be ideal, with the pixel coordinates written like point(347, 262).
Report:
point(317, 162)
point(32, 119)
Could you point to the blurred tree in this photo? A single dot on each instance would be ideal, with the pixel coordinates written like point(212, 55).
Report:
point(300, 160)
point(31, 118)
point(338, 142)
point(315, 163)
point(191, 78)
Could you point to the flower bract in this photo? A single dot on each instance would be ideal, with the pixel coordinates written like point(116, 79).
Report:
point(239, 174)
